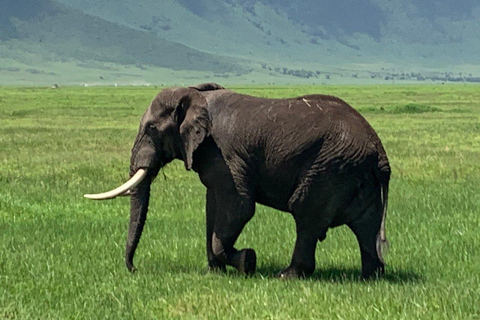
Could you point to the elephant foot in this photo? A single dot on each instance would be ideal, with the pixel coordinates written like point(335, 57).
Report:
point(216, 266)
point(245, 261)
point(292, 272)
point(373, 273)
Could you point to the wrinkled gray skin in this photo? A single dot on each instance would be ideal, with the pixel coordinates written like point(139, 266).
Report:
point(313, 156)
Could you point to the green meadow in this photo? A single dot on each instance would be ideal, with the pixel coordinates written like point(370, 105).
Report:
point(61, 255)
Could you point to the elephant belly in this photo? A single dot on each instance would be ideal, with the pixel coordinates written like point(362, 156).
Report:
point(274, 193)
point(275, 184)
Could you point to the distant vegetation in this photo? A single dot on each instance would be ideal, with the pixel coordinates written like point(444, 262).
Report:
point(379, 75)
point(407, 108)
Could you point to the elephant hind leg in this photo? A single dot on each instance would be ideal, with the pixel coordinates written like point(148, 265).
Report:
point(303, 259)
point(313, 206)
point(366, 228)
point(310, 229)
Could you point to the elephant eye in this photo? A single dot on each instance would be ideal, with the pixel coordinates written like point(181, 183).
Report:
point(151, 127)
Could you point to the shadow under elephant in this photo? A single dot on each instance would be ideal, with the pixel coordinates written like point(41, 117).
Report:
point(344, 274)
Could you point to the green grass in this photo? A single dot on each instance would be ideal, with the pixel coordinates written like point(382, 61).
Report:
point(61, 256)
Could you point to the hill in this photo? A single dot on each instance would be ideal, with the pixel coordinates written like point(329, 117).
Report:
point(39, 32)
point(242, 40)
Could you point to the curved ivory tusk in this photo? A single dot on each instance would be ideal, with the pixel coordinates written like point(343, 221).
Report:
point(124, 189)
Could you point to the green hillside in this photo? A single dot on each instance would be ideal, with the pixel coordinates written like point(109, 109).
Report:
point(402, 32)
point(49, 32)
point(238, 41)
point(225, 27)
point(69, 33)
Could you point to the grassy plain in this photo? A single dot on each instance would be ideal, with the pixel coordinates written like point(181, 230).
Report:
point(61, 256)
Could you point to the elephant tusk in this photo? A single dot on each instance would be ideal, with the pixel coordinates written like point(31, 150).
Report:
point(123, 190)
point(125, 194)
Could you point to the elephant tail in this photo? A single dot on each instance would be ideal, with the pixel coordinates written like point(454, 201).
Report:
point(383, 174)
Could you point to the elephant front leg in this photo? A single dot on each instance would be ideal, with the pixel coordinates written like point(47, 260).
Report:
point(233, 212)
point(244, 260)
point(214, 264)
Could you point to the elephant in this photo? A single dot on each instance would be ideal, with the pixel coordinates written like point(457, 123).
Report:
point(313, 156)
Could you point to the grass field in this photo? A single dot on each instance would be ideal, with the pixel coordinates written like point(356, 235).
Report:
point(61, 256)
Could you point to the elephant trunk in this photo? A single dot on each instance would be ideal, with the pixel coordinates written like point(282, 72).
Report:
point(144, 157)
point(139, 199)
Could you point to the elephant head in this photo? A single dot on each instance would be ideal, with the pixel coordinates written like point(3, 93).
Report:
point(174, 125)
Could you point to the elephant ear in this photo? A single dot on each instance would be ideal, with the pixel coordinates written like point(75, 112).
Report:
point(194, 123)
point(211, 86)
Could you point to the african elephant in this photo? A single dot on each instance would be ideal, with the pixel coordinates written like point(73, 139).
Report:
point(312, 156)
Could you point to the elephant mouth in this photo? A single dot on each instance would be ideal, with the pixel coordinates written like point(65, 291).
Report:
point(123, 190)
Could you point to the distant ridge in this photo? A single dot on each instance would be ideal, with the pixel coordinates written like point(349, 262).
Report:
point(47, 27)
point(246, 41)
